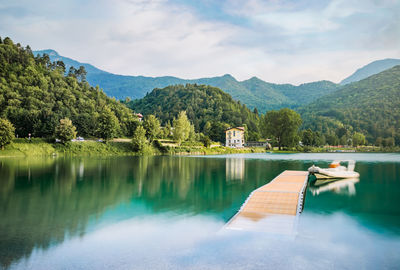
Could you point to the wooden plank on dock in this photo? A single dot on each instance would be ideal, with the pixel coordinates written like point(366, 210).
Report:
point(273, 207)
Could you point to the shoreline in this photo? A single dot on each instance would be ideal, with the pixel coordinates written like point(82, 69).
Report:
point(40, 147)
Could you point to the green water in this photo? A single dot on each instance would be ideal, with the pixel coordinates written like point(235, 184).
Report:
point(168, 213)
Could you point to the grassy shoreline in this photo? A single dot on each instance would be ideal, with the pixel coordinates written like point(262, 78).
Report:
point(40, 147)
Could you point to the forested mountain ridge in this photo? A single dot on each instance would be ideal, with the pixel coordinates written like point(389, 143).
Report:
point(35, 94)
point(209, 109)
point(372, 68)
point(254, 92)
point(370, 106)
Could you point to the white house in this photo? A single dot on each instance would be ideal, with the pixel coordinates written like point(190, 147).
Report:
point(234, 137)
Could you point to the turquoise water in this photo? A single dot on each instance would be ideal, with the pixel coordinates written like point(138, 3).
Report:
point(168, 213)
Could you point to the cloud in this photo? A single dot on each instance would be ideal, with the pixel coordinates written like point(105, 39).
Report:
point(279, 40)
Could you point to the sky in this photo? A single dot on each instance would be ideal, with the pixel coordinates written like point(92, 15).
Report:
point(279, 41)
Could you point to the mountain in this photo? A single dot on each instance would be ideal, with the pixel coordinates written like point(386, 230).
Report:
point(209, 109)
point(255, 93)
point(35, 94)
point(370, 106)
point(371, 69)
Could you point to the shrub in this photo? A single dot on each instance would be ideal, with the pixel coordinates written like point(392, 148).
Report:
point(6, 132)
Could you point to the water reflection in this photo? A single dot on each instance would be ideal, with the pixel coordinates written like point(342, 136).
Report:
point(50, 207)
point(343, 187)
point(192, 242)
point(45, 201)
point(234, 168)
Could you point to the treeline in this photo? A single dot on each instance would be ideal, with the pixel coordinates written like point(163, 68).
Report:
point(35, 94)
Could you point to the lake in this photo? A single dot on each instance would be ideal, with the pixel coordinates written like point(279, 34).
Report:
point(166, 212)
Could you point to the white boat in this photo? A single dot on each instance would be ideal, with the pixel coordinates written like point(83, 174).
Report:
point(335, 171)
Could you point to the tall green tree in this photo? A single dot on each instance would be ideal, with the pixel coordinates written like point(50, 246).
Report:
point(167, 131)
point(107, 124)
point(152, 127)
point(358, 139)
point(181, 127)
point(307, 137)
point(6, 132)
point(283, 125)
point(65, 131)
point(139, 140)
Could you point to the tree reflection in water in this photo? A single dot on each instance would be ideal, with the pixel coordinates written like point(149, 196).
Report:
point(43, 201)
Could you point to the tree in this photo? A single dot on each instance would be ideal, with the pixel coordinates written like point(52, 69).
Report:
point(72, 72)
point(307, 137)
point(192, 134)
point(107, 124)
point(81, 74)
point(167, 131)
point(205, 140)
point(283, 125)
point(388, 142)
point(358, 139)
point(139, 140)
point(152, 127)
point(6, 132)
point(65, 131)
point(181, 127)
point(332, 139)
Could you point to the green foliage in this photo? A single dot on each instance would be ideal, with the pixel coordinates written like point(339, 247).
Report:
point(182, 128)
point(206, 141)
point(107, 124)
point(152, 127)
point(158, 145)
point(139, 140)
point(35, 95)
point(370, 106)
point(6, 132)
point(358, 139)
point(65, 131)
point(209, 109)
point(310, 138)
point(283, 125)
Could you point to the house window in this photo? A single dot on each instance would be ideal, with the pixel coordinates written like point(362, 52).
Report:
point(234, 133)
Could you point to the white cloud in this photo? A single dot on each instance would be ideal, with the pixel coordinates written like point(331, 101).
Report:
point(279, 41)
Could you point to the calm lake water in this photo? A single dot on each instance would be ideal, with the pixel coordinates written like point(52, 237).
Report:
point(168, 213)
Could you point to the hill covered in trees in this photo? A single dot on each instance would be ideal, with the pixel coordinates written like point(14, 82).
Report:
point(371, 69)
point(35, 94)
point(209, 109)
point(254, 92)
point(370, 106)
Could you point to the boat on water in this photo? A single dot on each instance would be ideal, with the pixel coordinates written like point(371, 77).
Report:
point(334, 172)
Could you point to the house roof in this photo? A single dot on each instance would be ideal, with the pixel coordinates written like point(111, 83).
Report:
point(239, 128)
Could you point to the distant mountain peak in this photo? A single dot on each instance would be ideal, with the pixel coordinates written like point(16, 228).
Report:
point(372, 68)
point(228, 76)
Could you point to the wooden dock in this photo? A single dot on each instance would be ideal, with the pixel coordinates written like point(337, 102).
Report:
point(273, 207)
